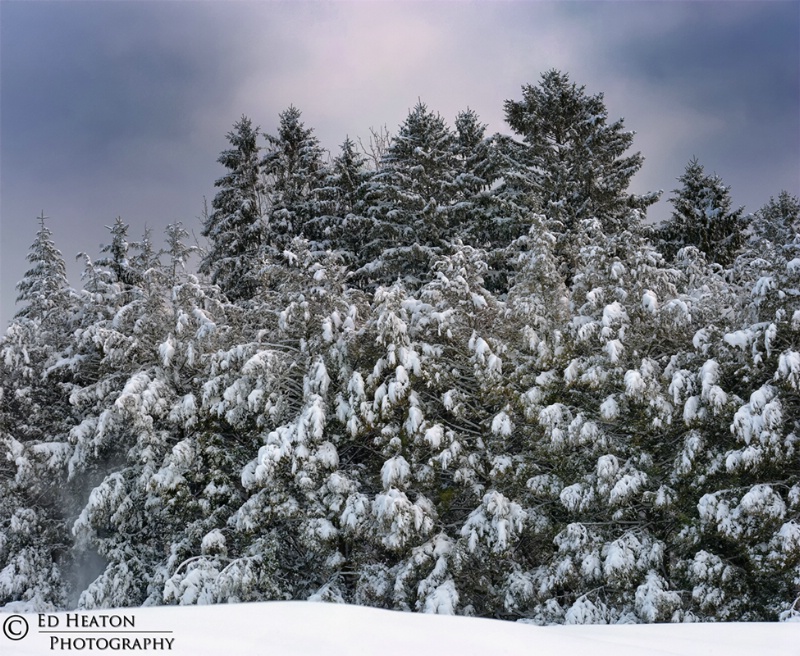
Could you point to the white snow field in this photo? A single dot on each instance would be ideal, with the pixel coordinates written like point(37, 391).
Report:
point(310, 629)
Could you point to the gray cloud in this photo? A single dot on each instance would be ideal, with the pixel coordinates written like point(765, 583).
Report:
point(122, 108)
point(730, 71)
point(86, 78)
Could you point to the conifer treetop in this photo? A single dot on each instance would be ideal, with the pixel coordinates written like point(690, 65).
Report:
point(44, 283)
point(577, 152)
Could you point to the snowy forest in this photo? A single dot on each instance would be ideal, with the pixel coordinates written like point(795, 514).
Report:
point(443, 371)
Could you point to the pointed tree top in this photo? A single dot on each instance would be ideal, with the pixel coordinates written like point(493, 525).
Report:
point(42, 218)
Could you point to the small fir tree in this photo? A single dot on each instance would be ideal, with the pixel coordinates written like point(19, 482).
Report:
point(778, 223)
point(702, 217)
point(45, 286)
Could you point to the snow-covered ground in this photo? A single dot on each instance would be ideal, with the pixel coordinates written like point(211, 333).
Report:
point(310, 629)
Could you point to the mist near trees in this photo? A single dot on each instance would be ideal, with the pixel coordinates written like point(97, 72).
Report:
point(449, 372)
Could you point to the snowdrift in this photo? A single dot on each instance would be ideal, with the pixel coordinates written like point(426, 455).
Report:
point(308, 629)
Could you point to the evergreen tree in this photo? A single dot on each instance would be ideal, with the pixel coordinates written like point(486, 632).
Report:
point(295, 169)
point(145, 258)
point(341, 195)
point(744, 561)
point(178, 252)
point(703, 217)
point(268, 396)
point(137, 428)
point(573, 159)
point(483, 218)
point(410, 201)
point(34, 417)
point(117, 259)
point(235, 227)
point(44, 286)
point(480, 221)
point(598, 419)
point(778, 223)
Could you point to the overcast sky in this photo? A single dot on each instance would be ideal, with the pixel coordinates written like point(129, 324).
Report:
point(121, 108)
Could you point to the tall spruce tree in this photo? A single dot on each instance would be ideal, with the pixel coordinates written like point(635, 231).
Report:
point(573, 159)
point(343, 223)
point(35, 416)
point(410, 201)
point(235, 227)
point(478, 220)
point(295, 169)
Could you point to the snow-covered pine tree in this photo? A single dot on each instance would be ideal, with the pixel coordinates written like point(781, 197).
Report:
point(36, 341)
point(190, 468)
point(703, 217)
point(178, 253)
point(295, 170)
point(771, 241)
point(740, 553)
point(410, 201)
point(34, 419)
point(111, 300)
point(340, 224)
point(346, 177)
point(573, 159)
point(137, 404)
point(482, 218)
point(145, 257)
point(117, 259)
point(269, 397)
point(470, 146)
point(235, 228)
point(775, 225)
point(34, 555)
point(418, 412)
point(45, 285)
point(595, 409)
point(475, 216)
point(342, 193)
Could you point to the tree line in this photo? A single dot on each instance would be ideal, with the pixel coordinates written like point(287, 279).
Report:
point(462, 376)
